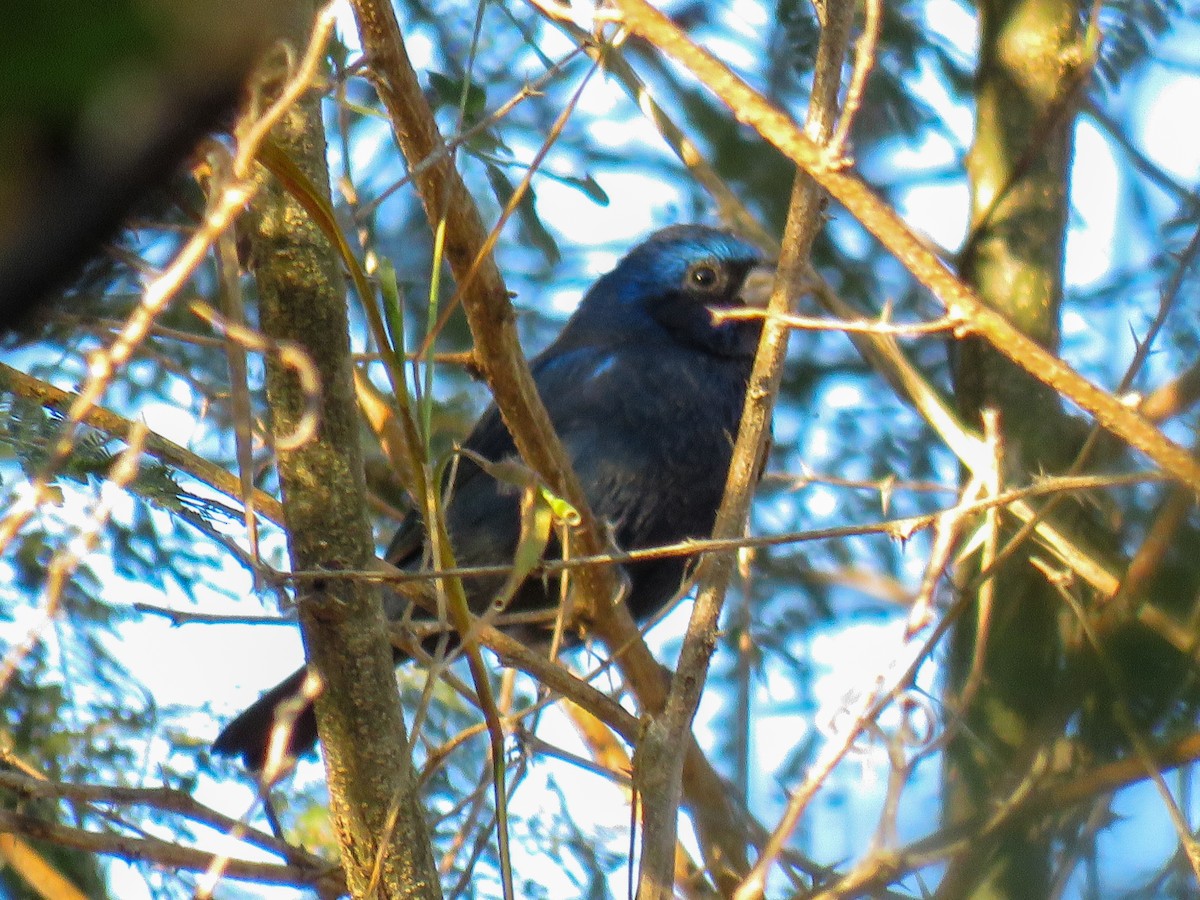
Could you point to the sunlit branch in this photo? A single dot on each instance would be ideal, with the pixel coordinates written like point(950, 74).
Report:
point(946, 324)
point(882, 222)
point(113, 425)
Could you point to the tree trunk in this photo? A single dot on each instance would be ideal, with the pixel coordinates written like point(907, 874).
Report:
point(1010, 635)
point(302, 300)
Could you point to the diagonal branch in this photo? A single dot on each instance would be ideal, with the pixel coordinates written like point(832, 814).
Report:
point(498, 352)
point(891, 231)
point(119, 427)
point(658, 770)
point(327, 881)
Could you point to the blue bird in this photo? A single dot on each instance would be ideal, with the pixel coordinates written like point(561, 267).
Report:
point(645, 388)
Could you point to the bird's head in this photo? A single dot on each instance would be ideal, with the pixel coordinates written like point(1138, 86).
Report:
point(681, 279)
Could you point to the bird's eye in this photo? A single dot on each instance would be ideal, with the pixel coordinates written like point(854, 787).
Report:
point(703, 276)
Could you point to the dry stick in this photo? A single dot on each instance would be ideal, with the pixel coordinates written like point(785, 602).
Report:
point(870, 709)
point(864, 63)
point(492, 322)
point(881, 326)
point(27, 782)
point(881, 221)
point(1166, 303)
point(291, 355)
point(658, 767)
point(328, 882)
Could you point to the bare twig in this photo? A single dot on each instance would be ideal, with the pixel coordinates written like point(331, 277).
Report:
point(948, 323)
point(289, 354)
point(864, 62)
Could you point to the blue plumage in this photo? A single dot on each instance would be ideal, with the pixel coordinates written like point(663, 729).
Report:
point(645, 389)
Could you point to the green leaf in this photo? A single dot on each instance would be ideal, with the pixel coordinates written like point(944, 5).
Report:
point(526, 212)
point(590, 186)
point(536, 519)
point(448, 92)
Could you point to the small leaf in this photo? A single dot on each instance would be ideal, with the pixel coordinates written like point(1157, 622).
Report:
point(526, 210)
point(590, 186)
point(536, 518)
point(448, 91)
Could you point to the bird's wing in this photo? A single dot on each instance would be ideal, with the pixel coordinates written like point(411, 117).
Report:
point(614, 407)
point(636, 421)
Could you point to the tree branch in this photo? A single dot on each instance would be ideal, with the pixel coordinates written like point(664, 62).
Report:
point(497, 348)
point(373, 803)
point(327, 881)
point(160, 448)
point(882, 222)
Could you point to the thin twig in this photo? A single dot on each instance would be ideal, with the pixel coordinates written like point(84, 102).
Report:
point(864, 62)
point(947, 323)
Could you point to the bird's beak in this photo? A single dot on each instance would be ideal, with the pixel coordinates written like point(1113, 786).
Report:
point(756, 288)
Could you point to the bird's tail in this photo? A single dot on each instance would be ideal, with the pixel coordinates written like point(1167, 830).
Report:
point(249, 735)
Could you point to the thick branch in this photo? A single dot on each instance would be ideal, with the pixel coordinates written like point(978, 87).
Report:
point(658, 767)
point(492, 322)
point(327, 882)
point(658, 770)
point(368, 766)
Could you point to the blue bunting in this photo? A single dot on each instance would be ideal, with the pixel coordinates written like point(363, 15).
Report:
point(645, 387)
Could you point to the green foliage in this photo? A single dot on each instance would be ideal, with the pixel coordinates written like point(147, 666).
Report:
point(1130, 29)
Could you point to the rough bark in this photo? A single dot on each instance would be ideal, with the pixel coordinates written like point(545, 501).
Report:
point(1018, 166)
point(302, 299)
